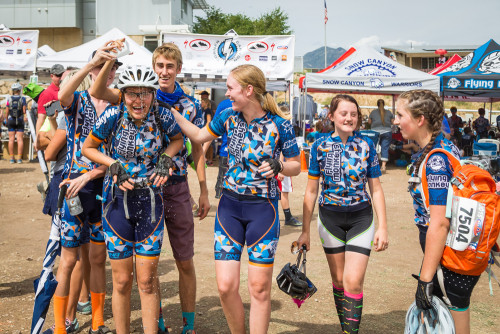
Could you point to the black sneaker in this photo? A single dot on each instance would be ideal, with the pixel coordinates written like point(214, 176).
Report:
point(293, 222)
point(101, 330)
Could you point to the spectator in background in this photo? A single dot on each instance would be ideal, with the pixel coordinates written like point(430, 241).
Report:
point(455, 123)
point(208, 115)
point(467, 142)
point(441, 60)
point(15, 111)
point(48, 95)
point(481, 125)
point(381, 121)
point(204, 96)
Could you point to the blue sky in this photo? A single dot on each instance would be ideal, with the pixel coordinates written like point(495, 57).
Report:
point(380, 22)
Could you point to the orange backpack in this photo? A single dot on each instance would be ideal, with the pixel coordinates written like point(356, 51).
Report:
point(473, 207)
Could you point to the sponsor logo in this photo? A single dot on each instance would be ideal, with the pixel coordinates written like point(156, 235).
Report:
point(199, 44)
point(479, 84)
point(258, 47)
point(454, 83)
point(247, 57)
point(436, 163)
point(6, 41)
point(283, 57)
point(333, 164)
point(28, 51)
point(9, 52)
point(372, 68)
point(282, 47)
point(437, 181)
point(19, 51)
point(406, 84)
point(262, 58)
point(376, 83)
point(227, 50)
point(274, 57)
point(27, 41)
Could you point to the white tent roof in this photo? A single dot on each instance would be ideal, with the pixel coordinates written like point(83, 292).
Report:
point(368, 71)
point(45, 50)
point(79, 55)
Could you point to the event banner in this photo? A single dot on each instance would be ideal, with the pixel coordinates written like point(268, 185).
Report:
point(216, 55)
point(18, 50)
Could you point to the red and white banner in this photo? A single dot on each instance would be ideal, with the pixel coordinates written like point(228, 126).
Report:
point(217, 55)
point(18, 50)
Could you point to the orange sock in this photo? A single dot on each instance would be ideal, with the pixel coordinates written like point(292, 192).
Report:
point(97, 309)
point(60, 305)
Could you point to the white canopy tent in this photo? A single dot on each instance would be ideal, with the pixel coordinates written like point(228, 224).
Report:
point(367, 71)
point(79, 55)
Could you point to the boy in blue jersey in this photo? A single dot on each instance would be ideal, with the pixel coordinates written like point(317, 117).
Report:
point(83, 179)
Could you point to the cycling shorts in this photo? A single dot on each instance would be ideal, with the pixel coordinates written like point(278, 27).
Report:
point(346, 231)
point(141, 233)
point(246, 219)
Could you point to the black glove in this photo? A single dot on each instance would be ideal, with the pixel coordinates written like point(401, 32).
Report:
point(117, 169)
point(276, 165)
point(163, 165)
point(423, 296)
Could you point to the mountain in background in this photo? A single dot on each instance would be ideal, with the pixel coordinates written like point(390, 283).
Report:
point(316, 58)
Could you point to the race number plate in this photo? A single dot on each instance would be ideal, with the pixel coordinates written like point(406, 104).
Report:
point(467, 217)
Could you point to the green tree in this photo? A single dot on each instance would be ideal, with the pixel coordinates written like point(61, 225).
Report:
point(216, 22)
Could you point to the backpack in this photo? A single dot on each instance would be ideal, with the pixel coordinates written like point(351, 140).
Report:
point(16, 106)
point(473, 207)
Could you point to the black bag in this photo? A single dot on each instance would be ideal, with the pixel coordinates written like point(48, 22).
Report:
point(293, 281)
point(15, 106)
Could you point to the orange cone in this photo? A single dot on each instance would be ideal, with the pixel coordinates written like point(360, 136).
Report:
point(303, 161)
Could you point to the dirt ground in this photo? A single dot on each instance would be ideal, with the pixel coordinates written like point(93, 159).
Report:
point(388, 291)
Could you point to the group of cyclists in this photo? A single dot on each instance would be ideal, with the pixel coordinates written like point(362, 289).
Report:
point(126, 162)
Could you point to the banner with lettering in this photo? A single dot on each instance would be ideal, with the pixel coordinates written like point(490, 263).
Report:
point(212, 57)
point(368, 71)
point(18, 49)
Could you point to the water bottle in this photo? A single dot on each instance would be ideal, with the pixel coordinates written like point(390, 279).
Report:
point(74, 205)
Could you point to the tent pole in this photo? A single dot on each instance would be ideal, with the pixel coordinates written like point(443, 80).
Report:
point(305, 112)
point(491, 109)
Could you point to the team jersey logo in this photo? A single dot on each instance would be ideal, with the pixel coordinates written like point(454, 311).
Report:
point(436, 163)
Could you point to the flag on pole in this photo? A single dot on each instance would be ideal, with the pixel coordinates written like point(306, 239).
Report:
point(326, 13)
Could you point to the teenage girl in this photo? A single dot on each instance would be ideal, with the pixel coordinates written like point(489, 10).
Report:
point(346, 161)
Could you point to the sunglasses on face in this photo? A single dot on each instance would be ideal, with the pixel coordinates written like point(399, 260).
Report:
point(142, 95)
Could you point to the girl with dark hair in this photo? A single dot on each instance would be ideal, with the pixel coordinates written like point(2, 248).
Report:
point(419, 115)
point(346, 161)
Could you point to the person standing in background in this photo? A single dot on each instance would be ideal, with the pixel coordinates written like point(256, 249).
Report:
point(15, 111)
point(481, 125)
point(381, 120)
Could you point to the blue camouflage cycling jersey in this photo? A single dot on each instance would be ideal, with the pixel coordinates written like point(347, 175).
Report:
point(80, 119)
point(345, 170)
point(438, 173)
point(249, 145)
point(190, 108)
point(137, 148)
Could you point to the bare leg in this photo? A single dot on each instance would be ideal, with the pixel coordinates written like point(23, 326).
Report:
point(146, 269)
point(20, 144)
point(462, 321)
point(187, 285)
point(74, 288)
point(259, 286)
point(228, 283)
point(12, 136)
point(84, 259)
point(123, 276)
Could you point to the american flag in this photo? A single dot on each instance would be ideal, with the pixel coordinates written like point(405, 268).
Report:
point(326, 13)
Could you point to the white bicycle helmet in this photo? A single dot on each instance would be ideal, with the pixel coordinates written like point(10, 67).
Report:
point(437, 320)
point(16, 86)
point(138, 76)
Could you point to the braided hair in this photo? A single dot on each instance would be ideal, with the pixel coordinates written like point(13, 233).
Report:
point(425, 103)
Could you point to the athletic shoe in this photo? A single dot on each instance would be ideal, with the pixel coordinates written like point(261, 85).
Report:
point(71, 327)
point(84, 308)
point(12, 161)
point(101, 330)
point(190, 331)
point(163, 332)
point(19, 161)
point(293, 222)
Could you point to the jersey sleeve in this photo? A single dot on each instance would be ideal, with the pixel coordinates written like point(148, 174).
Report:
point(217, 126)
point(438, 173)
point(287, 139)
point(314, 167)
point(70, 110)
point(170, 126)
point(373, 165)
point(105, 124)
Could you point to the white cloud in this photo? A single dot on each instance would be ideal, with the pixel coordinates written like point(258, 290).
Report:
point(372, 41)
